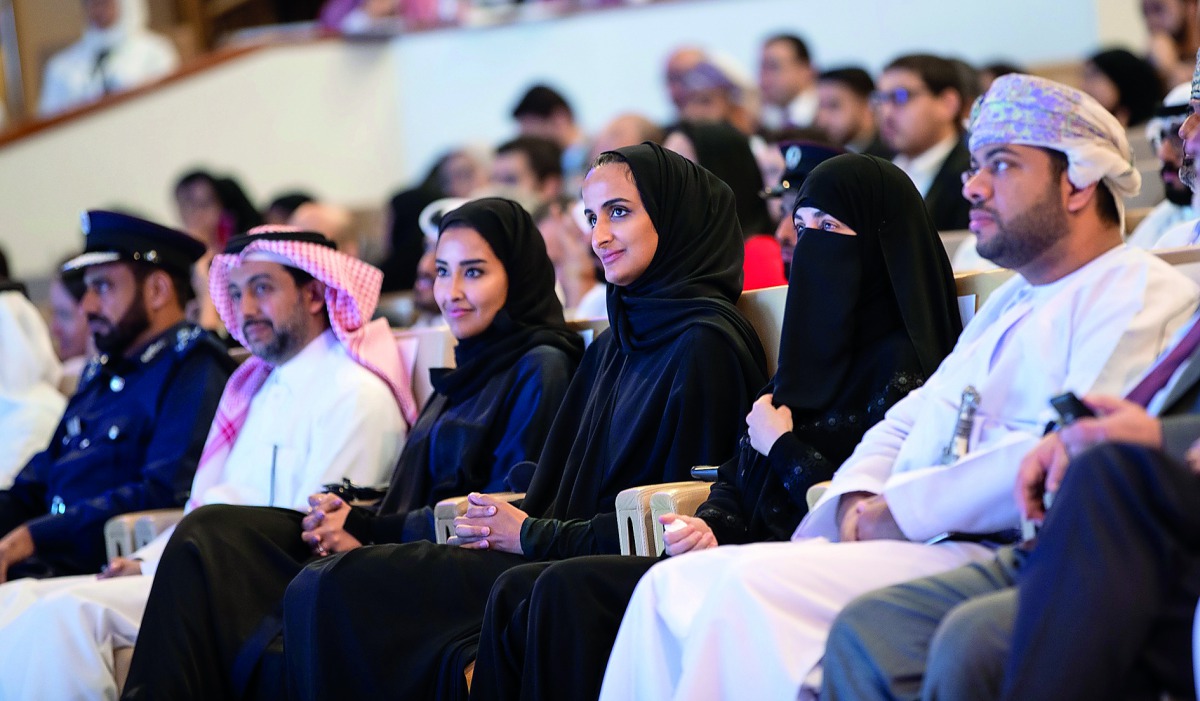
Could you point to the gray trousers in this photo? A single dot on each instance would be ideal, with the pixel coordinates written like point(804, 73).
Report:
point(943, 638)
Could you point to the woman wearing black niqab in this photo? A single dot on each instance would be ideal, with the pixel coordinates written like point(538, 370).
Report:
point(869, 317)
point(227, 566)
point(661, 391)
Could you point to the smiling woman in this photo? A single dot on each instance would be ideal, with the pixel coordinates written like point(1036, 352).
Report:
point(471, 285)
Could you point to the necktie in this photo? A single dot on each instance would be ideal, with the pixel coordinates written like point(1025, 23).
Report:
point(98, 70)
point(1158, 377)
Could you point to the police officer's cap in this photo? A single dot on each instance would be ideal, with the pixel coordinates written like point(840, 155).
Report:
point(799, 158)
point(111, 237)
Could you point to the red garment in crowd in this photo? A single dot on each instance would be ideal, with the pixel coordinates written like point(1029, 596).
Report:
point(764, 263)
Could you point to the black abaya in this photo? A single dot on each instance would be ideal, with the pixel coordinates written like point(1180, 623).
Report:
point(883, 303)
point(663, 390)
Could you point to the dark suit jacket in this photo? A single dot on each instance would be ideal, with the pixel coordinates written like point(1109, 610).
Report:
point(1181, 412)
point(944, 200)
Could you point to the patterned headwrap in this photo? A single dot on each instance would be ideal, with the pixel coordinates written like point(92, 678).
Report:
point(351, 293)
point(1032, 111)
point(1196, 78)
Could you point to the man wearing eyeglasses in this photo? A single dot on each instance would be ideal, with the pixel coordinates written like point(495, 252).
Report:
point(1163, 132)
point(918, 103)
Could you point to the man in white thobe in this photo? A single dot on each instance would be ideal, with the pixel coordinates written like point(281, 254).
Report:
point(1049, 167)
point(115, 53)
point(315, 408)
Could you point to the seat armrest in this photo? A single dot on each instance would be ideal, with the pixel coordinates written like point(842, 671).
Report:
point(446, 510)
point(682, 499)
point(150, 524)
point(634, 527)
point(814, 493)
point(125, 533)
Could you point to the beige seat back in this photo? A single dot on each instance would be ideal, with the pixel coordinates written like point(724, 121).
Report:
point(974, 288)
point(764, 310)
point(1185, 259)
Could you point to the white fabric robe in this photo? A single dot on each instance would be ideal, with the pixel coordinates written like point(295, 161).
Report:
point(330, 416)
point(751, 621)
point(30, 404)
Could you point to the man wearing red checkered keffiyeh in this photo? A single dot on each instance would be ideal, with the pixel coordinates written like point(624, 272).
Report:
point(351, 293)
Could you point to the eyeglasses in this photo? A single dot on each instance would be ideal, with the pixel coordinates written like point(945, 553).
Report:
point(898, 97)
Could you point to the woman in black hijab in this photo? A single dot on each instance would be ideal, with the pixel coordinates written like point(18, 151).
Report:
point(726, 153)
point(871, 312)
point(514, 361)
point(661, 391)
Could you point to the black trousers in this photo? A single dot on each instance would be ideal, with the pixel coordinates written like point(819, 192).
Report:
point(1108, 596)
point(388, 621)
point(549, 628)
point(224, 571)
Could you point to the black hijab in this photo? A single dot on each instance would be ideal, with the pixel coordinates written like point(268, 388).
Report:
point(862, 308)
point(531, 316)
point(695, 275)
point(627, 420)
point(725, 152)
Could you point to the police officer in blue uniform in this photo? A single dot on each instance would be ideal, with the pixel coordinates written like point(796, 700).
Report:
point(131, 436)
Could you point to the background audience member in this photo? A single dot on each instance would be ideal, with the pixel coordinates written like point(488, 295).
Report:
point(69, 325)
point(679, 63)
point(788, 83)
point(919, 101)
point(280, 209)
point(30, 403)
point(991, 71)
point(115, 53)
point(716, 90)
point(1129, 87)
point(725, 152)
point(528, 168)
point(1162, 131)
point(212, 209)
point(844, 111)
point(1174, 38)
point(333, 221)
point(545, 113)
point(968, 86)
point(625, 130)
point(572, 257)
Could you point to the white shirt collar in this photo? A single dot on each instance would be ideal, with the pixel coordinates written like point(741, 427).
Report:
point(301, 367)
point(924, 168)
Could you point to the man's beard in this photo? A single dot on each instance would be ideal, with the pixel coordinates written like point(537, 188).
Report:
point(281, 345)
point(1187, 173)
point(1026, 235)
point(121, 335)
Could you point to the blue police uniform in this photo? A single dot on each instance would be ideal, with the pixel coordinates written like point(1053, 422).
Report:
point(130, 438)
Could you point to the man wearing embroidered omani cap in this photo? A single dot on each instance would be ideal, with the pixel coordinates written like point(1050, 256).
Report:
point(929, 488)
point(1032, 623)
point(131, 436)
